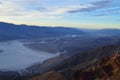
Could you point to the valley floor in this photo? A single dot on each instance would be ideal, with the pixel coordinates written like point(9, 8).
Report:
point(15, 56)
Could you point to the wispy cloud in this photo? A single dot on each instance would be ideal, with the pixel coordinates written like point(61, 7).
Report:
point(93, 6)
point(32, 7)
point(65, 11)
point(110, 11)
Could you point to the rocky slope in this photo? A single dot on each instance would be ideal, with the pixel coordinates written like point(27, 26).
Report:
point(104, 64)
point(108, 68)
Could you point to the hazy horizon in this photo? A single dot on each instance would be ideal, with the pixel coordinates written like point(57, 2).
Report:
point(60, 26)
point(89, 14)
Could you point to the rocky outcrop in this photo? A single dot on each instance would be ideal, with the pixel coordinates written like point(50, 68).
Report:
point(108, 68)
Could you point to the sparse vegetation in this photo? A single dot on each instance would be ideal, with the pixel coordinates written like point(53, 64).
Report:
point(116, 72)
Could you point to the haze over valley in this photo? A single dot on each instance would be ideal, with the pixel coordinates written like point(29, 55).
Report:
point(59, 40)
point(46, 44)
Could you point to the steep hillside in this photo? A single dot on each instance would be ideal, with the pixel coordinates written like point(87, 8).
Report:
point(99, 64)
point(108, 68)
point(81, 59)
point(87, 58)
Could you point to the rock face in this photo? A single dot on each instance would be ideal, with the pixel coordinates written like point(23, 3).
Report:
point(108, 68)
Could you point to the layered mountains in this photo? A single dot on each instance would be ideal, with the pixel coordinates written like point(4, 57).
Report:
point(10, 31)
point(58, 53)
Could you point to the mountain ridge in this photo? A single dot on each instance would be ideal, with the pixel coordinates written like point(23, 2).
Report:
point(71, 70)
point(12, 31)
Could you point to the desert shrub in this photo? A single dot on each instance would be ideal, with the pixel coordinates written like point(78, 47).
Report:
point(97, 78)
point(116, 72)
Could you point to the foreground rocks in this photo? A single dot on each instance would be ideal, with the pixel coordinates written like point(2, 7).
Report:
point(108, 68)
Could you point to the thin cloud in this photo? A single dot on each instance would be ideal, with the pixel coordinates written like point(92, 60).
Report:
point(107, 13)
point(32, 8)
point(110, 11)
point(94, 6)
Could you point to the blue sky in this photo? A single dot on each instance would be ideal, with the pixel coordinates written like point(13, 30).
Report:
point(70, 13)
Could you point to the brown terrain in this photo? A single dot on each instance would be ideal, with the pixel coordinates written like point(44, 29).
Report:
point(52, 75)
point(107, 68)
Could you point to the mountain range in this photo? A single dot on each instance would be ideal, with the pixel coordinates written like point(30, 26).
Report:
point(60, 52)
point(10, 31)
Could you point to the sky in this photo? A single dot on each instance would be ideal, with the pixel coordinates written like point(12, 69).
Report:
point(92, 14)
